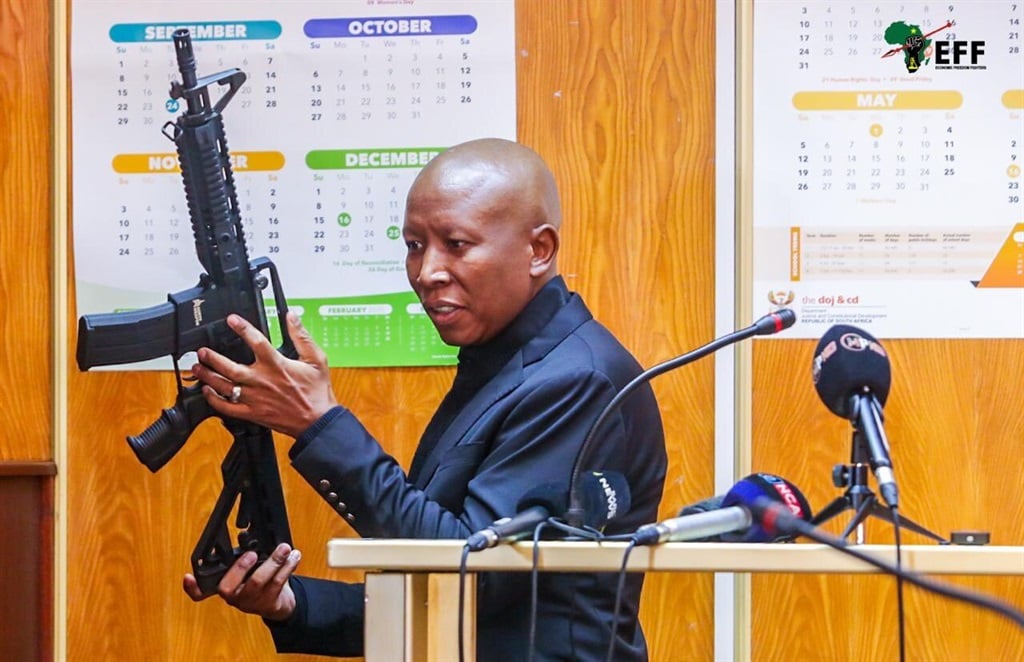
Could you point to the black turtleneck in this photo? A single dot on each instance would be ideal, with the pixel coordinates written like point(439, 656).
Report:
point(478, 364)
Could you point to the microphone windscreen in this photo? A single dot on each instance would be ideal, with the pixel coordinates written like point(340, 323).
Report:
point(848, 361)
point(605, 496)
point(711, 503)
point(764, 485)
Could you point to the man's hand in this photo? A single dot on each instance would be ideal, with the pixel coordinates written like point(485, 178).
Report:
point(274, 391)
point(265, 592)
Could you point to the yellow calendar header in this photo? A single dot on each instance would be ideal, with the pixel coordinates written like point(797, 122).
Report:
point(135, 164)
point(882, 100)
point(1014, 99)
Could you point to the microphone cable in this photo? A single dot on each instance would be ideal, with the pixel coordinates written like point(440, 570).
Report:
point(620, 587)
point(462, 600)
point(783, 520)
point(586, 533)
point(534, 580)
point(577, 533)
point(900, 613)
point(534, 585)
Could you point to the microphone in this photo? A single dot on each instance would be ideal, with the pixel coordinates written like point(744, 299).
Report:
point(605, 496)
point(769, 324)
point(703, 506)
point(734, 520)
point(852, 375)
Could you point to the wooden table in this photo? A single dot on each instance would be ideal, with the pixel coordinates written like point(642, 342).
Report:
point(412, 585)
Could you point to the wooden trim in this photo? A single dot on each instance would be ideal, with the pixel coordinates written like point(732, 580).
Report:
point(560, 556)
point(8, 469)
point(744, 237)
point(62, 274)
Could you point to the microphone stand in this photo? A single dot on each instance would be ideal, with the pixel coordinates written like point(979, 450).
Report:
point(859, 497)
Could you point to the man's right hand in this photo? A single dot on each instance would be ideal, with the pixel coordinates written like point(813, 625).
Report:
point(283, 394)
point(265, 592)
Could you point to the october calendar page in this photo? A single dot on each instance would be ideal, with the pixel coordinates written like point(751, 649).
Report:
point(343, 103)
point(887, 141)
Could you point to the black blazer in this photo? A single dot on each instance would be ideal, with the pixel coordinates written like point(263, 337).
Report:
point(522, 429)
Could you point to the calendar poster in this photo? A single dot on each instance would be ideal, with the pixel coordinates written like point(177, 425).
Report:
point(887, 146)
point(343, 103)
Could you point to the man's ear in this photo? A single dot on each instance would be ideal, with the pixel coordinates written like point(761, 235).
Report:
point(544, 241)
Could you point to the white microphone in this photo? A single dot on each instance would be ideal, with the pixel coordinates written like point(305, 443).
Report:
point(694, 527)
point(734, 518)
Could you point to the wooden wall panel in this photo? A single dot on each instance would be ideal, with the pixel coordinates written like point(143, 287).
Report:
point(618, 97)
point(955, 423)
point(26, 352)
point(26, 516)
point(25, 230)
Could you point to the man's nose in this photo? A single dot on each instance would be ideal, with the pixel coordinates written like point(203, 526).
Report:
point(433, 268)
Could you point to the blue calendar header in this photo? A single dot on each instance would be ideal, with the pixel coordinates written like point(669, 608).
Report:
point(405, 26)
point(212, 31)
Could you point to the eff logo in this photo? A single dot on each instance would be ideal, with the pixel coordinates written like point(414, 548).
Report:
point(959, 54)
point(915, 45)
point(918, 49)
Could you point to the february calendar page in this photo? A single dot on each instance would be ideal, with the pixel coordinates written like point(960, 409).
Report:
point(887, 142)
point(343, 103)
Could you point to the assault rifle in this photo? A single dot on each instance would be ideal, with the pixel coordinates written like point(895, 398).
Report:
point(197, 317)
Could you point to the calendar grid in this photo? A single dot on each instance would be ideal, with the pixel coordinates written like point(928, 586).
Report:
point(887, 140)
point(336, 116)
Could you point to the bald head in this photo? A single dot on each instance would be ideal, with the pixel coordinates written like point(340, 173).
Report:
point(491, 169)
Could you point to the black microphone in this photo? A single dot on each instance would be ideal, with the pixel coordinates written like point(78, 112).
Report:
point(852, 375)
point(733, 520)
point(605, 497)
point(767, 325)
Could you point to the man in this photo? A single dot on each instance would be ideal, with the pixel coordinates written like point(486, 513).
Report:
point(481, 228)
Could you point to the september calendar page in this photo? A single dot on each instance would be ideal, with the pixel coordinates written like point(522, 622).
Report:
point(887, 140)
point(343, 103)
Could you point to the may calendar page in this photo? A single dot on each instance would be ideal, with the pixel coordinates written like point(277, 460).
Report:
point(887, 141)
point(343, 103)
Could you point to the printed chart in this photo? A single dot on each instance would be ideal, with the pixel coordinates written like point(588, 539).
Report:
point(888, 139)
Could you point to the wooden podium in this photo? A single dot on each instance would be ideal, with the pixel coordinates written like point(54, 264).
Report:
point(412, 585)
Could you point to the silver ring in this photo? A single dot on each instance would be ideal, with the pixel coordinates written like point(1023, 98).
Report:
point(236, 394)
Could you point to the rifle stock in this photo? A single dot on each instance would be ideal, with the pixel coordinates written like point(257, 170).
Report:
point(250, 476)
point(197, 317)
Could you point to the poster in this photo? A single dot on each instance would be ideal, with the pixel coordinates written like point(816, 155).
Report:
point(887, 140)
point(342, 104)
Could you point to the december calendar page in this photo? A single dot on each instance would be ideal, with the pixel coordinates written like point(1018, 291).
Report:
point(887, 142)
point(343, 103)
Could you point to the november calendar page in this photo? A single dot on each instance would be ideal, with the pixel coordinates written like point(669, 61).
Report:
point(343, 102)
point(887, 141)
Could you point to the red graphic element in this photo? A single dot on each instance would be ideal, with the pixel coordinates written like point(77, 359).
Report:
point(894, 51)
